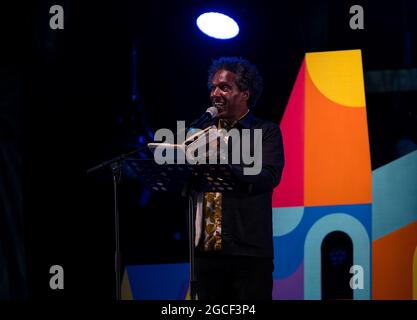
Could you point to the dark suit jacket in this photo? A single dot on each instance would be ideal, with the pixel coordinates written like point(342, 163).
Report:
point(247, 211)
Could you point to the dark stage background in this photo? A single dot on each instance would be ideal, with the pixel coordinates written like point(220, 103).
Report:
point(119, 71)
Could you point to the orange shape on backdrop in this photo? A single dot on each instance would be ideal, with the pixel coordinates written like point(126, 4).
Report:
point(392, 264)
point(337, 167)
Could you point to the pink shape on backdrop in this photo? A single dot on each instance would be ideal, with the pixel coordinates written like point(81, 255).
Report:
point(290, 191)
point(290, 288)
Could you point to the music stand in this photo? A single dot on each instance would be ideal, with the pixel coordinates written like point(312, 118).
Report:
point(115, 165)
point(189, 180)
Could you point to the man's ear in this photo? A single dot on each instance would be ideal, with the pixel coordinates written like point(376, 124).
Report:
point(246, 95)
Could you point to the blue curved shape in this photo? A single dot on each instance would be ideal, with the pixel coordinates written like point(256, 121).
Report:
point(289, 248)
point(312, 253)
point(285, 220)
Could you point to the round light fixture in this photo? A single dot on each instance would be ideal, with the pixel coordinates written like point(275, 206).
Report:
point(217, 25)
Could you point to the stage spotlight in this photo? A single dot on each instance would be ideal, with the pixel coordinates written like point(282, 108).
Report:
point(217, 25)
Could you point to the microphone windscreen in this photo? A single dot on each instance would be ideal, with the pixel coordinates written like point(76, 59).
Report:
point(213, 111)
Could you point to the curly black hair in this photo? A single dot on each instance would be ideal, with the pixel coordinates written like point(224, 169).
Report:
point(247, 76)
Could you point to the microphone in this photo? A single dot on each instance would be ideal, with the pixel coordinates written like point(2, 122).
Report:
point(209, 115)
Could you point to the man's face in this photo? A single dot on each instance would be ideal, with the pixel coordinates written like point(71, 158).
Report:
point(226, 96)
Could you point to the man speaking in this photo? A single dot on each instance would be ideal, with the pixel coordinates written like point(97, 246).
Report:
point(234, 254)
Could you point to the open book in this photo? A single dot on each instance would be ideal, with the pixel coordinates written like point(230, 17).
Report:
point(197, 148)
